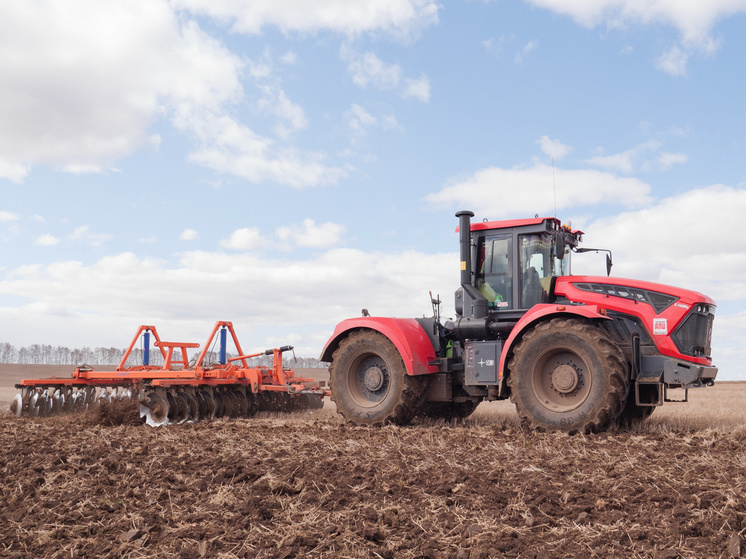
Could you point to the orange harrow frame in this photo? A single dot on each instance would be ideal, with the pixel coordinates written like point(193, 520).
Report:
point(201, 383)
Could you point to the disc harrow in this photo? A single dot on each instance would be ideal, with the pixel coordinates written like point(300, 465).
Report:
point(179, 391)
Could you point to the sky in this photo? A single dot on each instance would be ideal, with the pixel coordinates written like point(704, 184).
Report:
point(283, 164)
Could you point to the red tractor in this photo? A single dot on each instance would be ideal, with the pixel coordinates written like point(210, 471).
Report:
point(573, 353)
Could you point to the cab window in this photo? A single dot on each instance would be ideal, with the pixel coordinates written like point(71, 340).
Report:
point(494, 271)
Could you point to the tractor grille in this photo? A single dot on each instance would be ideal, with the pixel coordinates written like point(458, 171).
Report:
point(659, 301)
point(694, 335)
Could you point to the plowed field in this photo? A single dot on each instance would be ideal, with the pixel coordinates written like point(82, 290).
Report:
point(309, 485)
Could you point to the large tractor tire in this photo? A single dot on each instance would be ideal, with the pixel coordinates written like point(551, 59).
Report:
point(369, 382)
point(568, 375)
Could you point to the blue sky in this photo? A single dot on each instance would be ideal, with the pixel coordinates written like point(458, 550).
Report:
point(283, 164)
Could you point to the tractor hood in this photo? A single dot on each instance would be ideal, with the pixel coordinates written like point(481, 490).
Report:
point(659, 296)
point(679, 321)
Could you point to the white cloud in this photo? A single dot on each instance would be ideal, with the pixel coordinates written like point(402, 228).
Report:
point(247, 238)
point(693, 19)
point(71, 105)
point(8, 216)
point(46, 240)
point(106, 300)
point(673, 61)
point(417, 89)
point(527, 49)
point(84, 234)
point(289, 58)
point(324, 235)
point(553, 148)
point(667, 159)
point(401, 17)
point(368, 70)
point(291, 115)
point(501, 193)
point(359, 120)
point(12, 170)
point(628, 161)
point(230, 147)
point(189, 235)
point(68, 103)
point(666, 241)
point(495, 46)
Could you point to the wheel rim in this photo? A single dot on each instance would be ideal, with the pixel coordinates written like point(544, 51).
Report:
point(368, 380)
point(561, 380)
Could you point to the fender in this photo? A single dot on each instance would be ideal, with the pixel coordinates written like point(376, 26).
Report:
point(406, 334)
point(537, 313)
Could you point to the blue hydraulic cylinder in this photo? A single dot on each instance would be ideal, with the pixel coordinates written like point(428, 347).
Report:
point(146, 348)
point(223, 337)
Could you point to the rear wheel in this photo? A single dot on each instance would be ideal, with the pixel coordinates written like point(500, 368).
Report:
point(568, 375)
point(370, 384)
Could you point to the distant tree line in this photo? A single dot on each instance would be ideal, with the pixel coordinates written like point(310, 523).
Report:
point(40, 354)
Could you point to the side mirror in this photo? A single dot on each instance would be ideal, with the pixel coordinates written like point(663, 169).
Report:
point(609, 264)
point(559, 245)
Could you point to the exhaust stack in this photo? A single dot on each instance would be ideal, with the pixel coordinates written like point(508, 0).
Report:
point(472, 304)
point(464, 227)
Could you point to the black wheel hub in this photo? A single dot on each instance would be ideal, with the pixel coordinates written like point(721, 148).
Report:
point(373, 378)
point(369, 380)
point(560, 380)
point(565, 379)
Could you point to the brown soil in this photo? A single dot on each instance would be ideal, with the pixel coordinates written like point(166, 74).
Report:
point(308, 485)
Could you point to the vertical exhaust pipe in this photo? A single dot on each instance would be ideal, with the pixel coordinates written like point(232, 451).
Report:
point(474, 304)
point(464, 227)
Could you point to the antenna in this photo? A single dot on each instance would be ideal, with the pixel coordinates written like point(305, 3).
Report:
point(554, 180)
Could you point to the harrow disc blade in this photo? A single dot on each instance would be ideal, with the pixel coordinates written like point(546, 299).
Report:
point(206, 404)
point(42, 404)
point(33, 408)
point(16, 406)
point(242, 404)
point(193, 407)
point(183, 408)
point(155, 411)
point(229, 403)
point(58, 401)
point(79, 403)
point(219, 405)
point(68, 395)
point(253, 407)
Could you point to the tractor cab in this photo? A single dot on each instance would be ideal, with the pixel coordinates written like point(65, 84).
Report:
point(507, 267)
point(516, 260)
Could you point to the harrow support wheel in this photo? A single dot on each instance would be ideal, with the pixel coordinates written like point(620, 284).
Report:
point(568, 375)
point(370, 384)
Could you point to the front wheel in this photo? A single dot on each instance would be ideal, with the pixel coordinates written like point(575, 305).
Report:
point(568, 375)
point(369, 382)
